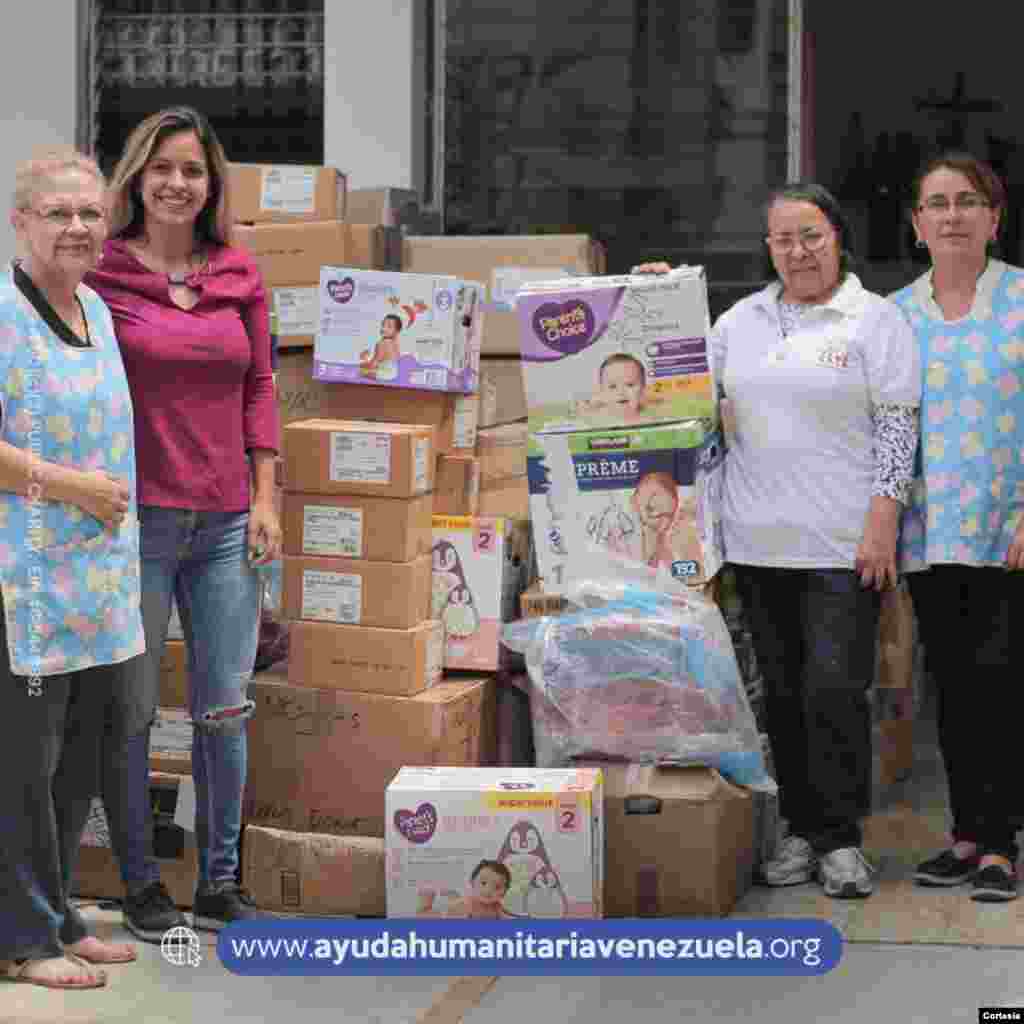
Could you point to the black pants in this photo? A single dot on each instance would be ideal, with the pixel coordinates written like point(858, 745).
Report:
point(815, 635)
point(49, 772)
point(971, 625)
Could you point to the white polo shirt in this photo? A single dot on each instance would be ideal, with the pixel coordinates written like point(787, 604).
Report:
point(801, 461)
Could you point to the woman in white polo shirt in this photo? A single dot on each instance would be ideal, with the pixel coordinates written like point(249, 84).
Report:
point(822, 385)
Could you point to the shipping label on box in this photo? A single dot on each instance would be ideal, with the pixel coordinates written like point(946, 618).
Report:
point(495, 843)
point(283, 192)
point(399, 330)
point(650, 495)
point(477, 579)
point(616, 351)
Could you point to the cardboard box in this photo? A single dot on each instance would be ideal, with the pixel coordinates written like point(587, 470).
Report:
point(649, 494)
point(680, 842)
point(174, 675)
point(453, 417)
point(290, 256)
point(457, 485)
point(356, 526)
point(534, 603)
point(262, 193)
point(479, 574)
point(385, 460)
point(393, 207)
point(545, 828)
point(398, 330)
point(311, 873)
point(504, 489)
point(502, 263)
point(320, 760)
point(501, 382)
point(299, 395)
point(606, 352)
point(170, 742)
point(97, 873)
point(352, 592)
point(401, 662)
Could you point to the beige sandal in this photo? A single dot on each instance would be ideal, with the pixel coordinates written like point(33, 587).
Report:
point(15, 971)
point(106, 953)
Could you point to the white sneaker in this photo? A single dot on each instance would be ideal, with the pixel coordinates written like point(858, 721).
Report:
point(793, 864)
point(846, 874)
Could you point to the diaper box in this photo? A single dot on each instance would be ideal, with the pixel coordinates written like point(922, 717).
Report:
point(625, 351)
point(398, 330)
point(650, 495)
point(479, 570)
point(495, 843)
point(387, 460)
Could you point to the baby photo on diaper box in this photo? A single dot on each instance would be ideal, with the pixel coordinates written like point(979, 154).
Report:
point(397, 330)
point(478, 574)
point(650, 495)
point(615, 351)
point(495, 843)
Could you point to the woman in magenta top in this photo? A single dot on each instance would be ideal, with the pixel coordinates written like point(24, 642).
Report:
point(190, 312)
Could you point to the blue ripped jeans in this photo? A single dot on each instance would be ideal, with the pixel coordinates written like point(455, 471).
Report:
point(202, 559)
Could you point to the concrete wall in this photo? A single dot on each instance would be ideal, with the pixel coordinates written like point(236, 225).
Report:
point(39, 64)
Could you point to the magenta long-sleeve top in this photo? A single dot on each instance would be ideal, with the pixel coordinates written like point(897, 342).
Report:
point(200, 379)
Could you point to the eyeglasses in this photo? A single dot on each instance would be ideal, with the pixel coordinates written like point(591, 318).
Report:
point(90, 216)
point(812, 240)
point(965, 202)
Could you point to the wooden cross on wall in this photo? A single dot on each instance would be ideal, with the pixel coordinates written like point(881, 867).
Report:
point(955, 112)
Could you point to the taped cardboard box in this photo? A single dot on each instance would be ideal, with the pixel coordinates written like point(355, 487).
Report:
point(453, 417)
point(289, 257)
point(320, 760)
point(681, 842)
point(299, 395)
point(504, 486)
point(357, 526)
point(400, 662)
point(395, 595)
point(501, 384)
point(457, 485)
point(503, 263)
point(265, 193)
point(392, 207)
point(386, 460)
point(312, 873)
point(174, 675)
point(97, 874)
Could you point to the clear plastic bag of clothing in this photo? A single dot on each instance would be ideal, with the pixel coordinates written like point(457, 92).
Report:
point(641, 670)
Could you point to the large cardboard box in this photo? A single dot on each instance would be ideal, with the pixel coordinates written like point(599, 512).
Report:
point(290, 256)
point(504, 488)
point(311, 873)
point(457, 485)
point(503, 263)
point(400, 662)
point(97, 874)
point(353, 592)
point(453, 417)
point(386, 460)
point(398, 330)
point(608, 352)
point(357, 526)
point(262, 193)
point(174, 675)
point(680, 842)
point(320, 760)
point(502, 390)
point(299, 395)
point(480, 569)
point(542, 832)
point(393, 207)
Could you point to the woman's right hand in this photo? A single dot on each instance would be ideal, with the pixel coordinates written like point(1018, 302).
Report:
point(104, 496)
point(652, 268)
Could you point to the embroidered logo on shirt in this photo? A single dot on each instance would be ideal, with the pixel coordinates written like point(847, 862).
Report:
point(833, 356)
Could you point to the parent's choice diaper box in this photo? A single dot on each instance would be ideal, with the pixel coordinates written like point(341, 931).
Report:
point(616, 351)
point(398, 330)
point(495, 843)
point(480, 564)
point(650, 495)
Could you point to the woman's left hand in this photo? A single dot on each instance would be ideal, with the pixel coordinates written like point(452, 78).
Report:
point(264, 533)
point(1015, 555)
point(876, 555)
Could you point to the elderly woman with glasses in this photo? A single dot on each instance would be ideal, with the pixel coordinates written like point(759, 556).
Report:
point(70, 623)
point(963, 536)
point(820, 386)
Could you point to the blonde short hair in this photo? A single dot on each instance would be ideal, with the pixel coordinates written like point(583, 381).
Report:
point(40, 171)
point(127, 215)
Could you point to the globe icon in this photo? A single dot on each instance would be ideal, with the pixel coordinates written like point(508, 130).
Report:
point(180, 946)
